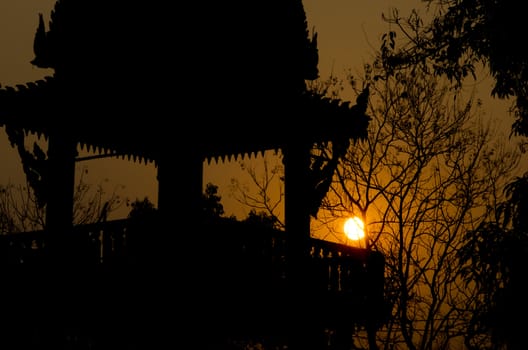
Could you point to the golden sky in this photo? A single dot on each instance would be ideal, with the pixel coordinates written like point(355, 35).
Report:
point(349, 32)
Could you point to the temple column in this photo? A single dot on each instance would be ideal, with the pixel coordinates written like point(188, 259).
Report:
point(60, 183)
point(306, 330)
point(178, 269)
point(179, 191)
point(296, 162)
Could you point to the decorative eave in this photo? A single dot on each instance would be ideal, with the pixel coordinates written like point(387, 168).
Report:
point(33, 108)
point(129, 84)
point(310, 117)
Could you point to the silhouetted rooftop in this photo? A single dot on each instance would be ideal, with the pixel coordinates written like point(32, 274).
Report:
point(218, 78)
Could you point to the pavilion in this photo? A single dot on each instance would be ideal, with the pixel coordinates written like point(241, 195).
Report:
point(176, 85)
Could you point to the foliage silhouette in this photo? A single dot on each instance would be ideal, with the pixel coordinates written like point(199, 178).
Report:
point(212, 207)
point(494, 259)
point(460, 36)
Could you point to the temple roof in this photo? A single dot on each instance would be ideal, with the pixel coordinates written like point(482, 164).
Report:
point(216, 78)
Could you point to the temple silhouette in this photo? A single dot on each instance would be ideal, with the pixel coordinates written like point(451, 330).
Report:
point(177, 85)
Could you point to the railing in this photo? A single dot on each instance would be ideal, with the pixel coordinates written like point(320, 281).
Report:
point(103, 241)
point(336, 267)
point(239, 259)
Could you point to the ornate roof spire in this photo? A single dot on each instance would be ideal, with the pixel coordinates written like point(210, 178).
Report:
point(40, 46)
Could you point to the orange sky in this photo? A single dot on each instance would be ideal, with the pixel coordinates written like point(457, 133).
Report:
point(348, 33)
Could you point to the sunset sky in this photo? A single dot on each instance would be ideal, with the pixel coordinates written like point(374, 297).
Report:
point(349, 32)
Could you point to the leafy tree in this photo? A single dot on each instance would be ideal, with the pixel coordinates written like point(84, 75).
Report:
point(140, 209)
point(429, 172)
point(494, 260)
point(465, 34)
point(212, 207)
point(261, 218)
point(143, 235)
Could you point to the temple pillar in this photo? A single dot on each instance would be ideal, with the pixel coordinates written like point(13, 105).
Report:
point(296, 162)
point(180, 191)
point(306, 330)
point(178, 265)
point(179, 198)
point(60, 184)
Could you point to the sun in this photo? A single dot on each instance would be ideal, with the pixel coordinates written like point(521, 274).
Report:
point(354, 228)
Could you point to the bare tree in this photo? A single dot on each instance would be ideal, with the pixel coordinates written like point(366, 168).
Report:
point(430, 171)
point(21, 211)
point(264, 194)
